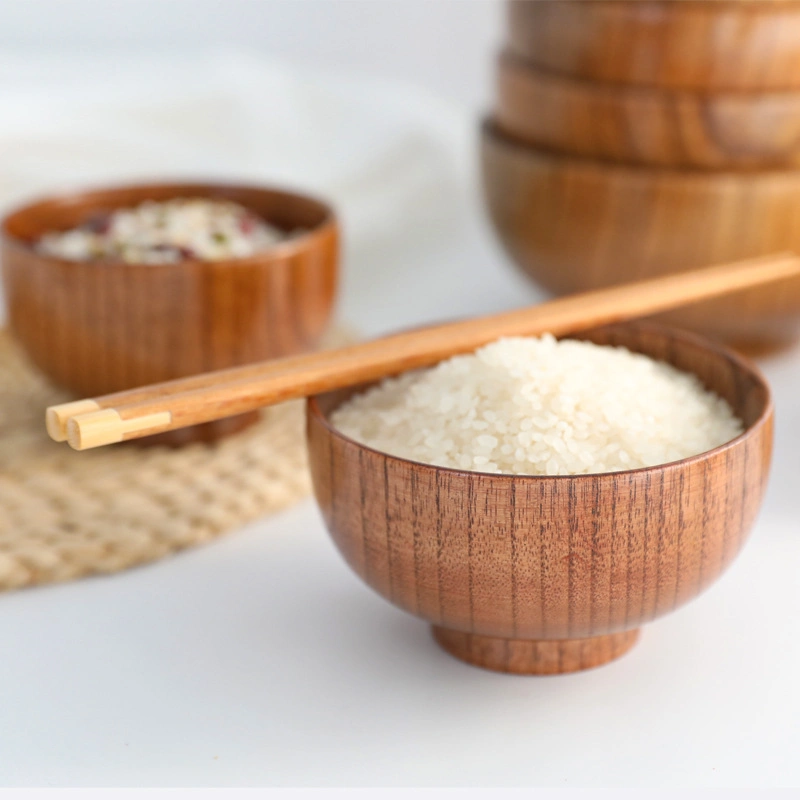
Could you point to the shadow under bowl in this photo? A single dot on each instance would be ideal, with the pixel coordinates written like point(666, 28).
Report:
point(97, 328)
point(547, 575)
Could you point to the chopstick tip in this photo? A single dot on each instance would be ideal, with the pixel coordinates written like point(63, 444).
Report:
point(57, 417)
point(107, 426)
point(94, 429)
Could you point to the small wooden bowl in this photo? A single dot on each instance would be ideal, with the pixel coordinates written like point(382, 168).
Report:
point(544, 575)
point(573, 224)
point(646, 125)
point(97, 328)
point(691, 44)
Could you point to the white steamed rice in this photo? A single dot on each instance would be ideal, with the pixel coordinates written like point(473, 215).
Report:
point(537, 406)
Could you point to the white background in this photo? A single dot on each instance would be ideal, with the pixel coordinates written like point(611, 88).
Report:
point(444, 45)
point(261, 660)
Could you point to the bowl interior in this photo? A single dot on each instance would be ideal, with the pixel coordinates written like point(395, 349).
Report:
point(285, 210)
point(721, 370)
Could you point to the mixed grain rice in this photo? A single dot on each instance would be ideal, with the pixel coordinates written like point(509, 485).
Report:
point(165, 233)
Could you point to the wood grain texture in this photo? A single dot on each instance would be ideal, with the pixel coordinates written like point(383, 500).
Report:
point(691, 44)
point(97, 328)
point(516, 573)
point(529, 657)
point(646, 125)
point(575, 224)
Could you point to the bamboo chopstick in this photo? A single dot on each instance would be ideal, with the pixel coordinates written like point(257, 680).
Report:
point(214, 395)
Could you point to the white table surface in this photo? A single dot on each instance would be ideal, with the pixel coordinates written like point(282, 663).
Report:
point(262, 660)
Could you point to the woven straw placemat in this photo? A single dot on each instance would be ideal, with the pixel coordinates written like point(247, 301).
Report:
point(66, 514)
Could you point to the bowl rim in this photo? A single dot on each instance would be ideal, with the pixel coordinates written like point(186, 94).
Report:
point(203, 189)
point(493, 134)
point(740, 362)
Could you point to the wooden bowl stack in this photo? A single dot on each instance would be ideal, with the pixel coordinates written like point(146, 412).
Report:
point(632, 138)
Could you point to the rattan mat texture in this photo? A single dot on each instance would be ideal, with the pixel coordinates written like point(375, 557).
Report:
point(67, 514)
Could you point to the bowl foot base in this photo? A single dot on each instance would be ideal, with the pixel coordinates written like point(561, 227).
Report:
point(205, 432)
point(535, 657)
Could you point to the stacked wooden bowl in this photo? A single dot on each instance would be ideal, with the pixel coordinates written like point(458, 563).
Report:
point(637, 137)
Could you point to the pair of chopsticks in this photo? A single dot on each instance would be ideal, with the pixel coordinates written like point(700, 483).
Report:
point(214, 395)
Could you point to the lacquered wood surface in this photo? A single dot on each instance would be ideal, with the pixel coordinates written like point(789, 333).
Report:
point(690, 44)
point(575, 224)
point(644, 125)
point(97, 328)
point(504, 565)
